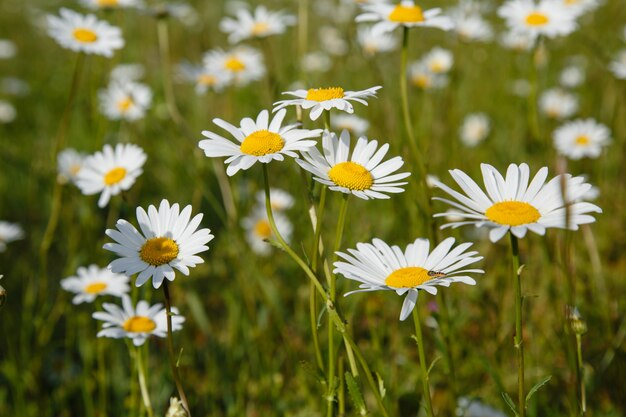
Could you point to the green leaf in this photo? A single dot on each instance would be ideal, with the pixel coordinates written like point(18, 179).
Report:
point(381, 385)
point(508, 401)
point(432, 364)
point(355, 394)
point(536, 387)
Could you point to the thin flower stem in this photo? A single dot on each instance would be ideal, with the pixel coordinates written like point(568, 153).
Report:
point(170, 348)
point(581, 374)
point(164, 58)
point(518, 339)
point(422, 357)
point(145, 395)
point(533, 120)
point(326, 120)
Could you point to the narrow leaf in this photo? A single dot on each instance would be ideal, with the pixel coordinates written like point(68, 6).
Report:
point(355, 394)
point(508, 401)
point(536, 387)
point(381, 385)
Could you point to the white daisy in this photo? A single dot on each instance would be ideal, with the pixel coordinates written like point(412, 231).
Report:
point(581, 138)
point(259, 231)
point(378, 266)
point(332, 41)
point(259, 140)
point(317, 61)
point(618, 66)
point(362, 174)
point(205, 79)
point(406, 13)
point(242, 65)
point(7, 112)
point(137, 323)
point(557, 103)
point(356, 125)
point(547, 18)
point(517, 41)
point(260, 24)
point(125, 100)
point(470, 25)
point(127, 72)
point(111, 171)
point(438, 60)
point(110, 4)
point(84, 33)
point(93, 281)
point(69, 163)
point(168, 239)
point(9, 232)
point(572, 76)
point(512, 204)
point(421, 77)
point(320, 99)
point(375, 43)
point(7, 49)
point(280, 200)
point(579, 7)
point(475, 129)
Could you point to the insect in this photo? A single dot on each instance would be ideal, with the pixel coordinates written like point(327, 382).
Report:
point(435, 274)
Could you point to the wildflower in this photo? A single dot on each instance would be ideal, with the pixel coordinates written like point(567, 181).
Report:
point(557, 103)
point(168, 240)
point(579, 7)
point(7, 112)
point(316, 62)
point(546, 18)
point(7, 49)
point(259, 140)
point(137, 323)
point(618, 66)
point(176, 408)
point(69, 162)
point(512, 204)
point(205, 79)
point(470, 25)
point(242, 65)
point(375, 43)
point(438, 60)
point(572, 76)
point(110, 4)
point(85, 33)
point(407, 14)
point(517, 41)
point(127, 72)
point(280, 200)
point(111, 171)
point(362, 174)
point(421, 77)
point(261, 24)
point(581, 138)
point(9, 232)
point(576, 321)
point(354, 124)
point(332, 41)
point(93, 281)
point(474, 129)
point(377, 266)
point(259, 231)
point(125, 100)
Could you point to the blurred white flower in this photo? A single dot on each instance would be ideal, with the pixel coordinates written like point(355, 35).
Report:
point(474, 129)
point(618, 66)
point(543, 18)
point(332, 41)
point(388, 17)
point(373, 43)
point(9, 232)
point(260, 24)
point(438, 60)
point(125, 100)
point(7, 112)
point(572, 76)
point(127, 72)
point(69, 164)
point(581, 138)
point(259, 231)
point(7, 49)
point(205, 79)
point(420, 76)
point(579, 7)
point(110, 4)
point(92, 281)
point(14, 86)
point(517, 41)
point(316, 62)
point(469, 23)
point(557, 103)
point(356, 125)
point(242, 64)
point(280, 200)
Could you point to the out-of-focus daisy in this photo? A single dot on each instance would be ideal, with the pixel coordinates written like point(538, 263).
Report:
point(579, 7)
point(110, 4)
point(546, 17)
point(474, 129)
point(572, 76)
point(581, 138)
point(204, 78)
point(378, 266)
point(127, 72)
point(375, 43)
point(14, 86)
point(438, 60)
point(242, 64)
point(320, 99)
point(69, 164)
point(517, 41)
point(421, 77)
point(137, 323)
point(557, 103)
point(356, 125)
point(470, 25)
point(111, 171)
point(259, 231)
point(168, 239)
point(260, 24)
point(9, 232)
point(176, 408)
point(92, 281)
point(259, 140)
point(7, 49)
point(512, 204)
point(125, 100)
point(618, 66)
point(391, 16)
point(332, 41)
point(84, 33)
point(280, 200)
point(316, 62)
point(363, 173)
point(7, 112)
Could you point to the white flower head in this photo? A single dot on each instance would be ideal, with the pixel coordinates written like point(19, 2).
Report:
point(317, 61)
point(93, 281)
point(475, 129)
point(257, 141)
point(84, 33)
point(407, 14)
point(572, 76)
point(69, 163)
point(111, 171)
point(581, 138)
point(205, 79)
point(421, 77)
point(7, 112)
point(546, 18)
point(110, 4)
point(470, 25)
point(137, 323)
point(361, 173)
point(513, 204)
point(579, 7)
point(438, 60)
point(378, 266)
point(259, 231)
point(618, 66)
point(7, 49)
point(242, 64)
point(557, 103)
point(9, 232)
point(375, 43)
point(260, 24)
point(332, 41)
point(126, 100)
point(356, 125)
point(280, 200)
point(127, 72)
point(517, 41)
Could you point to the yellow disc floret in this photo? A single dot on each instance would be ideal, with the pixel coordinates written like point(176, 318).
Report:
point(108, 3)
point(95, 288)
point(139, 324)
point(513, 213)
point(262, 142)
point(323, 94)
point(158, 251)
point(408, 277)
point(263, 229)
point(114, 176)
point(85, 35)
point(234, 64)
point(125, 104)
point(537, 19)
point(582, 140)
point(352, 176)
point(260, 28)
point(406, 14)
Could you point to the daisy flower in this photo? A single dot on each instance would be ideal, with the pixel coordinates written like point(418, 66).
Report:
point(557, 103)
point(7, 49)
point(354, 124)
point(581, 138)
point(111, 171)
point(421, 77)
point(362, 174)
point(110, 4)
point(84, 33)
point(572, 76)
point(69, 163)
point(579, 7)
point(127, 72)
point(204, 79)
point(474, 129)
point(137, 323)
point(378, 266)
point(242, 65)
point(332, 41)
point(260, 24)
point(438, 60)
point(471, 26)
point(9, 232)
point(93, 281)
point(168, 240)
point(259, 140)
point(547, 18)
point(512, 204)
point(125, 100)
point(517, 41)
point(259, 231)
point(320, 99)
point(7, 112)
point(618, 66)
point(280, 200)
point(316, 62)
point(406, 14)
point(375, 43)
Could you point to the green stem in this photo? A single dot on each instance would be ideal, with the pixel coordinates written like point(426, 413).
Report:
point(581, 375)
point(170, 349)
point(168, 88)
point(422, 357)
point(533, 118)
point(326, 116)
point(145, 395)
point(518, 339)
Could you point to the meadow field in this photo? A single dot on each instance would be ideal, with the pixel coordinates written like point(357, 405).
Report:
point(190, 190)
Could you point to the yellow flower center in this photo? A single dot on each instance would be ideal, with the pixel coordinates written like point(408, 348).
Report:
point(85, 35)
point(437, 67)
point(95, 287)
point(139, 324)
point(406, 14)
point(125, 104)
point(262, 142)
point(108, 3)
point(408, 277)
point(582, 140)
point(571, 2)
point(263, 229)
point(206, 79)
point(537, 19)
point(421, 81)
point(158, 251)
point(234, 64)
point(323, 94)
point(351, 176)
point(74, 169)
point(114, 176)
point(512, 213)
point(259, 28)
